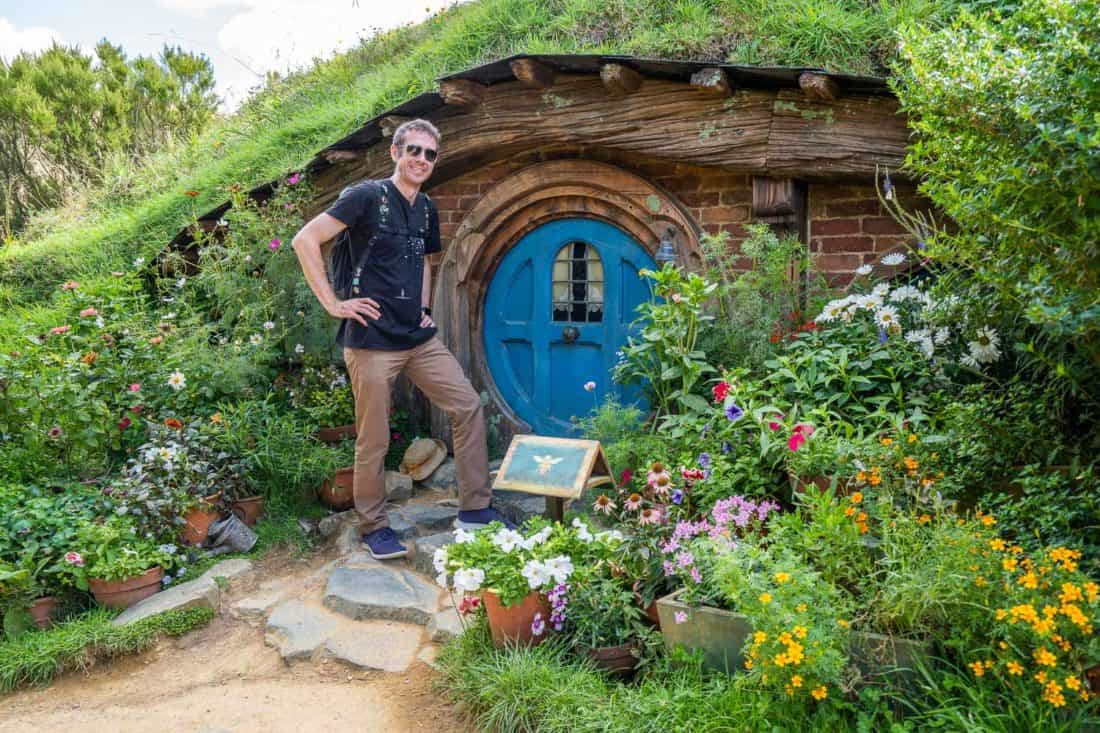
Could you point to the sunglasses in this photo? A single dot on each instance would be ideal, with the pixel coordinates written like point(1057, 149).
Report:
point(430, 154)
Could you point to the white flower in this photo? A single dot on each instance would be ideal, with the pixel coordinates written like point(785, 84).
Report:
point(170, 316)
point(887, 317)
point(176, 380)
point(507, 539)
point(462, 536)
point(299, 349)
point(248, 258)
point(99, 322)
point(833, 309)
point(881, 290)
point(536, 573)
point(469, 579)
point(589, 386)
point(923, 339)
point(609, 535)
point(869, 301)
point(167, 549)
point(968, 361)
point(863, 270)
point(439, 560)
point(941, 336)
point(986, 347)
point(537, 538)
point(906, 292)
point(893, 259)
point(583, 533)
point(181, 282)
point(268, 325)
point(441, 579)
point(560, 567)
point(256, 339)
point(139, 262)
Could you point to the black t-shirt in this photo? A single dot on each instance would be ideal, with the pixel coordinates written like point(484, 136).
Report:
point(398, 235)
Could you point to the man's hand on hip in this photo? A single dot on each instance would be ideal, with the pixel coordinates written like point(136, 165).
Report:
point(355, 309)
point(426, 321)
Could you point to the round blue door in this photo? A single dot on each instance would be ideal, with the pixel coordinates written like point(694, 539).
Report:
point(558, 309)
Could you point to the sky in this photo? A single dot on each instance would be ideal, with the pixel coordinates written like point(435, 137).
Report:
point(243, 39)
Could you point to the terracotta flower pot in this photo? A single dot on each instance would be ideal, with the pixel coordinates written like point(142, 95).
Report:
point(197, 521)
point(652, 615)
point(125, 593)
point(249, 510)
point(336, 434)
point(512, 624)
point(618, 659)
point(336, 493)
point(42, 611)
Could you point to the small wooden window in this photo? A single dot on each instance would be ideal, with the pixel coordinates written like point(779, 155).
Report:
point(578, 284)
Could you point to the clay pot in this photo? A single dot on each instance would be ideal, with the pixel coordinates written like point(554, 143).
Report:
point(512, 624)
point(336, 434)
point(652, 615)
point(618, 659)
point(1092, 676)
point(336, 493)
point(42, 611)
point(249, 510)
point(197, 521)
point(125, 593)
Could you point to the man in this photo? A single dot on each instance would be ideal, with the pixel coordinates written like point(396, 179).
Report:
point(387, 328)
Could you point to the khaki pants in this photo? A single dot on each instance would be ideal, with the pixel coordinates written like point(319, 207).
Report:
point(435, 371)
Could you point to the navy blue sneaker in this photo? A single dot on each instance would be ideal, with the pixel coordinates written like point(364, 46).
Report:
point(383, 544)
point(472, 519)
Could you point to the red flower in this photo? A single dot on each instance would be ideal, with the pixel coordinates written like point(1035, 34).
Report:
point(125, 423)
point(173, 423)
point(137, 409)
point(692, 474)
point(624, 479)
point(721, 391)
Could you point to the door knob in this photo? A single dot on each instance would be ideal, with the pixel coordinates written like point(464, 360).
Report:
point(570, 334)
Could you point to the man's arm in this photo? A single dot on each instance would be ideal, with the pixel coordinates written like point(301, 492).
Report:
point(307, 245)
point(426, 295)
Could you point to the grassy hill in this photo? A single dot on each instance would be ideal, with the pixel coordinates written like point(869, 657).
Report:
point(138, 210)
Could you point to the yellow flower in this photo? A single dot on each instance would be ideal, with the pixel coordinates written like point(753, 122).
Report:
point(782, 577)
point(912, 438)
point(842, 623)
point(1003, 644)
point(765, 597)
point(979, 581)
point(1009, 563)
point(988, 520)
point(760, 637)
point(1001, 613)
point(1070, 593)
point(1092, 590)
point(801, 608)
point(819, 692)
point(1073, 683)
point(1015, 668)
point(924, 519)
point(887, 441)
point(800, 632)
point(977, 668)
point(780, 660)
point(849, 511)
point(748, 664)
point(1044, 657)
point(856, 497)
point(1029, 580)
point(216, 418)
point(796, 680)
point(911, 463)
point(997, 544)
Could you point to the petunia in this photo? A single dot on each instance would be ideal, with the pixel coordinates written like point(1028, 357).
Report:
point(538, 626)
point(734, 413)
point(88, 313)
point(74, 558)
point(677, 497)
point(704, 460)
point(293, 178)
point(680, 617)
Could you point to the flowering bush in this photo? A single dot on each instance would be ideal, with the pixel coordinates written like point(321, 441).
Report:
point(114, 550)
point(323, 392)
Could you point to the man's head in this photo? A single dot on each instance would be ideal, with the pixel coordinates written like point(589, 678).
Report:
point(414, 150)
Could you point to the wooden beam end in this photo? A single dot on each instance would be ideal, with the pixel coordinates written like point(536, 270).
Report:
point(462, 92)
point(821, 87)
point(712, 80)
point(532, 73)
point(620, 80)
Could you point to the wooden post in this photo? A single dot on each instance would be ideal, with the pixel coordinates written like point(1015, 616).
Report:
point(620, 80)
point(713, 81)
point(555, 508)
point(532, 73)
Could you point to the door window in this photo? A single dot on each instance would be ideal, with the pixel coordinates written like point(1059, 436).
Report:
point(578, 284)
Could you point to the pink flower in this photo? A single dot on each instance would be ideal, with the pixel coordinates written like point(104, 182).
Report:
point(54, 432)
point(799, 434)
point(125, 422)
point(589, 386)
point(696, 575)
point(468, 605)
point(680, 617)
point(293, 179)
point(649, 515)
point(603, 504)
point(70, 285)
point(633, 502)
point(692, 474)
point(720, 391)
point(273, 245)
point(74, 558)
point(288, 206)
point(88, 313)
point(58, 330)
point(625, 477)
point(135, 387)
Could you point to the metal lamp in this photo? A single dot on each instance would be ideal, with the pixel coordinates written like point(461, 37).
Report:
point(666, 250)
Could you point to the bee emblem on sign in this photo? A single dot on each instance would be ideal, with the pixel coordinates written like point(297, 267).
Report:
point(546, 463)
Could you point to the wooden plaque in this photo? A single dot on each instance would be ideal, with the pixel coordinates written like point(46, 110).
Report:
point(553, 467)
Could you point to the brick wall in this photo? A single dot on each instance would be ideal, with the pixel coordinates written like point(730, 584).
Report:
point(847, 226)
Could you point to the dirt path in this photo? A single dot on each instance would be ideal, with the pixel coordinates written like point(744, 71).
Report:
point(223, 678)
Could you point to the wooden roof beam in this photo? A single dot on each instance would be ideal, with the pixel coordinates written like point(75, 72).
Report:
point(819, 87)
point(620, 80)
point(532, 73)
point(389, 124)
point(461, 92)
point(712, 81)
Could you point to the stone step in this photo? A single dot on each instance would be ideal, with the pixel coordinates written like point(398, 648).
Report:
point(298, 629)
point(385, 646)
point(381, 592)
point(425, 548)
point(428, 518)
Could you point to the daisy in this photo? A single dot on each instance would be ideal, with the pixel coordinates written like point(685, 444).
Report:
point(833, 310)
point(176, 380)
point(256, 339)
point(649, 515)
point(633, 502)
point(662, 485)
point(887, 317)
point(299, 349)
point(603, 504)
point(906, 292)
point(870, 301)
point(268, 325)
point(864, 270)
point(656, 471)
point(893, 259)
point(881, 290)
point(986, 347)
point(941, 335)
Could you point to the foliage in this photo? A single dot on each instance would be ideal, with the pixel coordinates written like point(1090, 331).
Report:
point(603, 611)
point(38, 657)
point(65, 115)
point(1005, 106)
point(323, 392)
point(114, 550)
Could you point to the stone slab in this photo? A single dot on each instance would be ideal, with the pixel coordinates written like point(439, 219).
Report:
point(381, 593)
point(399, 486)
point(298, 630)
point(427, 655)
point(379, 645)
point(519, 506)
point(445, 625)
point(199, 593)
point(255, 607)
point(229, 569)
point(331, 525)
point(443, 478)
point(425, 551)
point(429, 518)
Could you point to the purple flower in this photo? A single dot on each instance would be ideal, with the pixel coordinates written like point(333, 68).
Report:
point(670, 547)
point(696, 575)
point(680, 617)
point(734, 413)
point(703, 434)
point(670, 569)
point(677, 496)
point(704, 460)
point(882, 335)
point(538, 626)
point(684, 559)
point(294, 178)
point(54, 432)
point(274, 244)
point(726, 447)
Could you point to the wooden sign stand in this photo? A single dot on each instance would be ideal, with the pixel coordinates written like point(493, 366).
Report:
point(557, 468)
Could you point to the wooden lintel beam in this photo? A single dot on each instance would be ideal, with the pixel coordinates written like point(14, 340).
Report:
point(620, 80)
point(819, 87)
point(462, 92)
point(713, 81)
point(390, 123)
point(532, 73)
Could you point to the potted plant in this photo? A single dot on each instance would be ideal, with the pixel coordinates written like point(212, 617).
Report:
point(323, 393)
point(822, 460)
point(607, 623)
point(119, 567)
point(338, 492)
point(512, 569)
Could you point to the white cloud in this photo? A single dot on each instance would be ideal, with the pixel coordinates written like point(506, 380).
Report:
point(34, 38)
point(200, 8)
